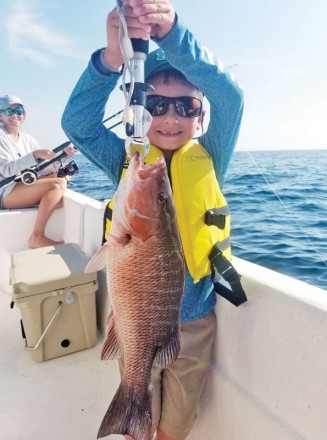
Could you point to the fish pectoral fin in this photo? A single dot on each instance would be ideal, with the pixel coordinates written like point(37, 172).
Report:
point(99, 260)
point(111, 347)
point(167, 354)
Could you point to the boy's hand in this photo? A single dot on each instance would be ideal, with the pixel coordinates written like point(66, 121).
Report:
point(136, 29)
point(160, 14)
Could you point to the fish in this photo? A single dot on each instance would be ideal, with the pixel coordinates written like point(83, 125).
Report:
point(145, 278)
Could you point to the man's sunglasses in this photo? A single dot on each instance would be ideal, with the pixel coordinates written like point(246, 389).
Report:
point(187, 106)
point(10, 111)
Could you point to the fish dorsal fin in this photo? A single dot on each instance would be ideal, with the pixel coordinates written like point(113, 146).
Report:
point(168, 353)
point(111, 348)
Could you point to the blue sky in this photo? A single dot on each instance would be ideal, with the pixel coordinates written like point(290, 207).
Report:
point(278, 50)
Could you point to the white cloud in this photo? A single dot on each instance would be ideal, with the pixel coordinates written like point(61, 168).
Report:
point(30, 35)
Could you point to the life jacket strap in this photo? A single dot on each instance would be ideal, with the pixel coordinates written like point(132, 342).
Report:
point(107, 215)
point(223, 269)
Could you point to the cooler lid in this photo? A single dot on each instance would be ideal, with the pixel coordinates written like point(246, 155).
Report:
point(49, 268)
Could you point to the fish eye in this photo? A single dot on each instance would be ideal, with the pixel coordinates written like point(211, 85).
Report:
point(162, 198)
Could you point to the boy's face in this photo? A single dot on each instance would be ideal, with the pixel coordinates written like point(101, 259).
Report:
point(171, 131)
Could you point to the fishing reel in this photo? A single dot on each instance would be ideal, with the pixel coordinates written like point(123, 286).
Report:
point(28, 177)
point(68, 169)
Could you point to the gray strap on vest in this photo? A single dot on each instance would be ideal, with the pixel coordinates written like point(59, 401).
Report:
point(226, 281)
point(222, 268)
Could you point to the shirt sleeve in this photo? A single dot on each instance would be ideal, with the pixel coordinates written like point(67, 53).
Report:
point(10, 162)
point(82, 118)
point(83, 115)
point(205, 71)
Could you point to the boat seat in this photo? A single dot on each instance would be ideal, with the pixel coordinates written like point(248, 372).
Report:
point(15, 228)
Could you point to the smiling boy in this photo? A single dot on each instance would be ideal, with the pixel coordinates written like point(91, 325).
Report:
point(181, 71)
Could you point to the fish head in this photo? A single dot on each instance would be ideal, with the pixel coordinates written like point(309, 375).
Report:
point(147, 204)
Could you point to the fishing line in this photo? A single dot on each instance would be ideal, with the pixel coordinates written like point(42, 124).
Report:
point(127, 52)
point(289, 212)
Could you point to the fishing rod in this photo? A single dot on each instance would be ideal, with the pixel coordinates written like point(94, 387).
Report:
point(30, 175)
point(136, 118)
point(114, 116)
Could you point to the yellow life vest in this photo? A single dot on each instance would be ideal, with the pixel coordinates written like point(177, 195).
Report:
point(197, 197)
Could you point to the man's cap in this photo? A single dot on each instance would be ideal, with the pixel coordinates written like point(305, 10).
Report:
point(8, 100)
point(155, 62)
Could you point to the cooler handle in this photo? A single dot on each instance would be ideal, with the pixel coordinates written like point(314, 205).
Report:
point(46, 329)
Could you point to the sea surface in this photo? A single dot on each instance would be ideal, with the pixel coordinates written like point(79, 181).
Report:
point(278, 203)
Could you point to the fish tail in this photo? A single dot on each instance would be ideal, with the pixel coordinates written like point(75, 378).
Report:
point(128, 414)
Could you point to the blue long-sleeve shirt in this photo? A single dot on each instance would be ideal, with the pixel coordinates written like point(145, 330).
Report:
point(82, 122)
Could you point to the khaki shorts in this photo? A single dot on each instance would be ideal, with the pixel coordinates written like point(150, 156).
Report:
point(176, 390)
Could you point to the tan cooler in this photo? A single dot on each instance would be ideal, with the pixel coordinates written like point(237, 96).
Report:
point(56, 300)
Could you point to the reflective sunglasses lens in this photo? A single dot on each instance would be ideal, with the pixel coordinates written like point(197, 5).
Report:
point(188, 106)
point(8, 111)
point(156, 105)
point(19, 111)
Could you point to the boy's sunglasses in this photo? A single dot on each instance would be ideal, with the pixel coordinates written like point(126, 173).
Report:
point(187, 106)
point(10, 111)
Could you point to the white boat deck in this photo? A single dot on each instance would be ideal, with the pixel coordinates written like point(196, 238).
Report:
point(268, 378)
point(63, 398)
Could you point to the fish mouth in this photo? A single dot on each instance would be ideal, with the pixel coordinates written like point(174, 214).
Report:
point(145, 180)
point(145, 171)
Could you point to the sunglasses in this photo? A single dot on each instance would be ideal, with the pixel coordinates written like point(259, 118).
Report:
point(10, 111)
point(186, 106)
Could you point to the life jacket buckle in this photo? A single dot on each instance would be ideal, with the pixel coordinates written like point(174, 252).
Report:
point(214, 218)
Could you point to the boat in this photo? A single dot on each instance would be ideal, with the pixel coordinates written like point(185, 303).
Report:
point(267, 379)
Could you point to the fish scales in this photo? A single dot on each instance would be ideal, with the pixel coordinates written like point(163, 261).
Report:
point(145, 278)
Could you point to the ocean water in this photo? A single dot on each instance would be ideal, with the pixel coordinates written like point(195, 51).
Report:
point(278, 203)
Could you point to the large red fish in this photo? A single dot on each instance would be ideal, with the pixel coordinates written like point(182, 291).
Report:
point(145, 276)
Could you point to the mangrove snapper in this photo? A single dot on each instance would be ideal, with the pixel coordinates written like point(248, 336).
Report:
point(145, 277)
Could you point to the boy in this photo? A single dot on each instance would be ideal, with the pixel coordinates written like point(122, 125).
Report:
point(182, 71)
